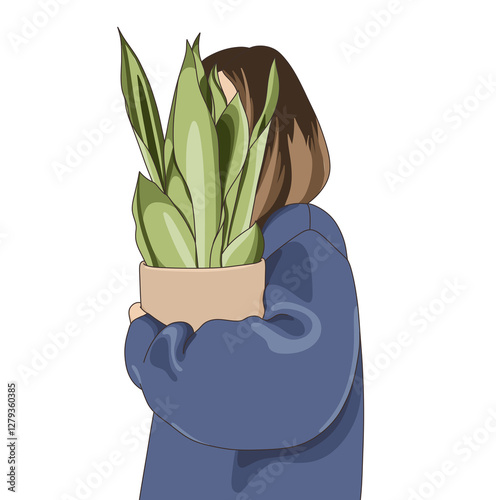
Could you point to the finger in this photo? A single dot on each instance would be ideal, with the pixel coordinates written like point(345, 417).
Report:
point(135, 311)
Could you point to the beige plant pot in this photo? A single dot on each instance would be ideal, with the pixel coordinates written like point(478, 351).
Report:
point(199, 295)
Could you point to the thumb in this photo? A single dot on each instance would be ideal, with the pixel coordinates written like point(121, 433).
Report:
point(135, 311)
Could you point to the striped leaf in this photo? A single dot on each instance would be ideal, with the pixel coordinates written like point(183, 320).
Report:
point(218, 98)
point(142, 112)
point(269, 106)
point(233, 132)
point(243, 210)
point(175, 185)
point(200, 72)
point(197, 154)
point(247, 248)
point(162, 235)
point(149, 161)
point(228, 208)
point(217, 245)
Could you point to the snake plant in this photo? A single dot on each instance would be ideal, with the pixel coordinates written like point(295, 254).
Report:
point(196, 208)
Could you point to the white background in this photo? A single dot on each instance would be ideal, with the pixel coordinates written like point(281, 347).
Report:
point(65, 236)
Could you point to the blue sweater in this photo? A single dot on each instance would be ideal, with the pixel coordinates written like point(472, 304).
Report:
point(271, 408)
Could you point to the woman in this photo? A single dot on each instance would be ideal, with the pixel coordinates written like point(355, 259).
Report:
point(266, 408)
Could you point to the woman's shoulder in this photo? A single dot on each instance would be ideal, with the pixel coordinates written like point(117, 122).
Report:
point(323, 223)
point(288, 222)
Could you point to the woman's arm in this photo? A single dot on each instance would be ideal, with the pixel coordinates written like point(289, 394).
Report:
point(258, 383)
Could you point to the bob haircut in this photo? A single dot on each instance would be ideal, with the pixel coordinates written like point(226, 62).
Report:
point(296, 164)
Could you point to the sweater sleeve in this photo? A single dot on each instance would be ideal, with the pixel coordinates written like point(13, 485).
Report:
point(258, 383)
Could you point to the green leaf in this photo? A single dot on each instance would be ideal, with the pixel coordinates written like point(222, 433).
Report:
point(240, 216)
point(142, 111)
point(247, 248)
point(270, 104)
point(179, 195)
point(219, 101)
point(228, 207)
point(144, 245)
point(149, 161)
point(176, 187)
point(162, 235)
point(233, 133)
point(216, 252)
point(241, 219)
point(197, 154)
point(200, 73)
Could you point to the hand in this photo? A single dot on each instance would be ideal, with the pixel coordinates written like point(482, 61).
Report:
point(135, 311)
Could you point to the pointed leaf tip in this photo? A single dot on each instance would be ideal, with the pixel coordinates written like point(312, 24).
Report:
point(196, 43)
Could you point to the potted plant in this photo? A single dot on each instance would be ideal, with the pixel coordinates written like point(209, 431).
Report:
point(202, 257)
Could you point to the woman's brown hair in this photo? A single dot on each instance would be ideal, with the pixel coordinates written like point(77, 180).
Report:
point(296, 164)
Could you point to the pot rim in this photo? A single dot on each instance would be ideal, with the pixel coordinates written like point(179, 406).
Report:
point(196, 269)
